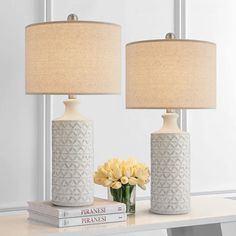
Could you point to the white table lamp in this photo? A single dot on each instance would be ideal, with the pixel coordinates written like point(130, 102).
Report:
point(72, 57)
point(170, 74)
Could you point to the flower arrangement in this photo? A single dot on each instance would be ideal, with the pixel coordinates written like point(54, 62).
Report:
point(121, 177)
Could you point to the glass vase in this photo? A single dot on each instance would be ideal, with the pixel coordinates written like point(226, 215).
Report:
point(126, 194)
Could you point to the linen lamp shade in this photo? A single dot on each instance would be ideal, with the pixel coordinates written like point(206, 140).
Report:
point(73, 57)
point(171, 74)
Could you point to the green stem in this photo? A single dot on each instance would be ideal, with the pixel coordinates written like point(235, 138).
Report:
point(123, 194)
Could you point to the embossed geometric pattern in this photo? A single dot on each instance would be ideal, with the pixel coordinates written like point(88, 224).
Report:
point(170, 173)
point(72, 162)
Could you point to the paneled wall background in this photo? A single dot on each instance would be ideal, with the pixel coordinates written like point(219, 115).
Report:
point(21, 117)
point(213, 131)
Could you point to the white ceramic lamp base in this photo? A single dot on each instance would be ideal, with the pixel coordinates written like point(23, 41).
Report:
point(72, 158)
point(170, 168)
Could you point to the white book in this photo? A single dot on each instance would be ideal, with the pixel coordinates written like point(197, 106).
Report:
point(77, 221)
point(100, 207)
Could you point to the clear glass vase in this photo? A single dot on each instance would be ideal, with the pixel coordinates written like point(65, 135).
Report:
point(126, 194)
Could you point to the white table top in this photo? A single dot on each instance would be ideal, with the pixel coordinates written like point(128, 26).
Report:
point(205, 210)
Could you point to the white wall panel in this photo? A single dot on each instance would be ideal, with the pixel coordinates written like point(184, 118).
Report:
point(120, 132)
point(213, 131)
point(19, 133)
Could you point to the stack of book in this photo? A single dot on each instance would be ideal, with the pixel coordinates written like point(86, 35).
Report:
point(102, 211)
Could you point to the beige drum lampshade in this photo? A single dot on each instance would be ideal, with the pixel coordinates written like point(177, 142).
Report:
point(73, 57)
point(171, 74)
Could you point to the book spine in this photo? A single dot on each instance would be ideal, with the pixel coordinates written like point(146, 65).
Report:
point(90, 220)
point(85, 211)
point(121, 208)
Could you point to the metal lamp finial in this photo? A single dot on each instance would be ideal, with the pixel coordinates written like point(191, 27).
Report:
point(72, 17)
point(170, 36)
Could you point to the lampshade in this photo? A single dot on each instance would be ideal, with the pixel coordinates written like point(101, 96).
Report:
point(171, 74)
point(73, 57)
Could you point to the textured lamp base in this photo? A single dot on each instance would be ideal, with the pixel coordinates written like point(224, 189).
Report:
point(72, 162)
point(170, 173)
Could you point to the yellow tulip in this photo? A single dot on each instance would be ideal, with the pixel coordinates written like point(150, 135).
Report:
point(107, 183)
point(113, 178)
point(99, 180)
point(141, 182)
point(116, 185)
point(117, 173)
point(124, 180)
point(138, 172)
point(133, 181)
point(107, 166)
point(104, 171)
point(127, 171)
point(100, 175)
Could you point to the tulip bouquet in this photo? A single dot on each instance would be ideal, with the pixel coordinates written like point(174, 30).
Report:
point(121, 178)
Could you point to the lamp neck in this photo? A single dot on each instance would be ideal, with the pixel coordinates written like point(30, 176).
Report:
point(170, 124)
point(71, 106)
point(72, 109)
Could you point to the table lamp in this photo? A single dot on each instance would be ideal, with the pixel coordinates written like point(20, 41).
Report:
point(72, 57)
point(170, 74)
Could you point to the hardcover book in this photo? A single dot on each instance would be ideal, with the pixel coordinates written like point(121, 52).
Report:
point(100, 207)
point(77, 221)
